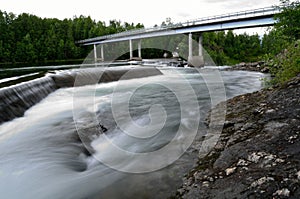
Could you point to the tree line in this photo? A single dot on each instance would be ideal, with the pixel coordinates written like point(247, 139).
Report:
point(29, 38)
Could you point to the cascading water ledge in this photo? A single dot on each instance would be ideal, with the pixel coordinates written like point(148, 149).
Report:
point(18, 98)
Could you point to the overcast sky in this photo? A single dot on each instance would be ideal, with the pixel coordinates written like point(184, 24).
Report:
point(148, 12)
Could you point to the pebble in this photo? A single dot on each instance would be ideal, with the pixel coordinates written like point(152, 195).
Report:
point(270, 111)
point(254, 157)
point(205, 184)
point(245, 168)
point(211, 179)
point(292, 138)
point(229, 171)
point(242, 162)
point(282, 192)
point(298, 175)
point(279, 160)
point(261, 181)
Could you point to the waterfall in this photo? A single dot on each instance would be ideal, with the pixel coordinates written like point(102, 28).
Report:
point(18, 98)
point(15, 100)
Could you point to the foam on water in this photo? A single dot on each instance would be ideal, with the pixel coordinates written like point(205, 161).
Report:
point(42, 156)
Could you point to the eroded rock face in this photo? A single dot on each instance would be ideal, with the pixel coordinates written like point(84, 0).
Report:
point(258, 153)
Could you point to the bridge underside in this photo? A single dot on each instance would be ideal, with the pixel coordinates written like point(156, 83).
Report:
point(228, 24)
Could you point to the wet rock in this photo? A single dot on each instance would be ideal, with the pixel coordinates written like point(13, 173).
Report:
point(258, 152)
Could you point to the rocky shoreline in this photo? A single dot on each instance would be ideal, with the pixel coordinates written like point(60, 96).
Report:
point(258, 152)
point(253, 66)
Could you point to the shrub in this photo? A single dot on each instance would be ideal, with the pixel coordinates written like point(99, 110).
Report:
point(286, 65)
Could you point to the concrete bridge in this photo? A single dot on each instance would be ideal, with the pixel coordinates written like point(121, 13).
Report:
point(245, 19)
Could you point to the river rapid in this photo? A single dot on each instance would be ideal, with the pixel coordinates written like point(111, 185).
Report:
point(63, 146)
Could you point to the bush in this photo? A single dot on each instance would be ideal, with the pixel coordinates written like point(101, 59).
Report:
point(286, 65)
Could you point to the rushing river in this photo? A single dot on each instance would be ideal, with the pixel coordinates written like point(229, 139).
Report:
point(42, 155)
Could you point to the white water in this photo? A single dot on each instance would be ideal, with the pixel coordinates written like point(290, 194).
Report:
point(42, 157)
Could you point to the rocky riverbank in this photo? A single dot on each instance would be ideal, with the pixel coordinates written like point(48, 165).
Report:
point(253, 66)
point(258, 152)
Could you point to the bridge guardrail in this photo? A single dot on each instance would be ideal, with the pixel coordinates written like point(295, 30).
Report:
point(199, 21)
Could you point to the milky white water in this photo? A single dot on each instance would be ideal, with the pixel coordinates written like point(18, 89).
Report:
point(42, 156)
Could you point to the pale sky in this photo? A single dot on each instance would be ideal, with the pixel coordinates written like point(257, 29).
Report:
point(148, 12)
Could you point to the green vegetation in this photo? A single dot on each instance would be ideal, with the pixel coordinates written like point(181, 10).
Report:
point(229, 48)
point(289, 20)
point(30, 39)
point(285, 58)
point(286, 65)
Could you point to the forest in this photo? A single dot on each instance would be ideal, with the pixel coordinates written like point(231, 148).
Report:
point(28, 38)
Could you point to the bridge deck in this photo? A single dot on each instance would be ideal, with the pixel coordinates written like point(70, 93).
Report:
point(245, 19)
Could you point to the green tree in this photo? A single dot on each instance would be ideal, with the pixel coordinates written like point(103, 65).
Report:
point(289, 19)
point(28, 38)
point(273, 42)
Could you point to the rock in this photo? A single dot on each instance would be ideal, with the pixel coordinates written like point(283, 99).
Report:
point(279, 160)
point(205, 184)
point(270, 111)
point(298, 175)
point(242, 162)
point(282, 192)
point(228, 124)
point(252, 66)
point(258, 152)
point(265, 70)
point(229, 171)
point(261, 181)
point(254, 157)
point(180, 191)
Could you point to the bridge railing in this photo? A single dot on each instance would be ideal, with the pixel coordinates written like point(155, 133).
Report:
point(199, 21)
point(235, 15)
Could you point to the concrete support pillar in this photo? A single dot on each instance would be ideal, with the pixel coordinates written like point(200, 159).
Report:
point(102, 52)
point(195, 61)
point(95, 53)
point(190, 46)
point(140, 49)
point(200, 45)
point(130, 49)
